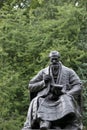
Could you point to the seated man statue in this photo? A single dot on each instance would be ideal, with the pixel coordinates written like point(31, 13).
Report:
point(55, 105)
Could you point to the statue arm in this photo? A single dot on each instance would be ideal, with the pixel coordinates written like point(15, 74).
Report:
point(37, 83)
point(76, 84)
point(75, 91)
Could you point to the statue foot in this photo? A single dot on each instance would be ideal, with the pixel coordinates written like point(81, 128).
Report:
point(43, 128)
point(26, 128)
point(44, 125)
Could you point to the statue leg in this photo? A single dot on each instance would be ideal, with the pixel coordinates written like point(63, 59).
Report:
point(45, 125)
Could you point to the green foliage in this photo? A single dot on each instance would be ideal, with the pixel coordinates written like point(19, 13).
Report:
point(27, 35)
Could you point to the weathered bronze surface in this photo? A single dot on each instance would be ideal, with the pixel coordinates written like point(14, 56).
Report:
point(55, 98)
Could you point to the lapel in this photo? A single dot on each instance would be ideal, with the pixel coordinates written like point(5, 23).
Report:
point(59, 74)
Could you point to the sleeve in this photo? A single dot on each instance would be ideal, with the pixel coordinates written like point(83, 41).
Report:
point(37, 83)
point(75, 83)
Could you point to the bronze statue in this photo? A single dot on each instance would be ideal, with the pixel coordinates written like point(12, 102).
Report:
point(55, 104)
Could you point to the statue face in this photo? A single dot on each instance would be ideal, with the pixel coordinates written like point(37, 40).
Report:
point(54, 60)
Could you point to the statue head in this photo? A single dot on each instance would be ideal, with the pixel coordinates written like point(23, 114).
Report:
point(54, 57)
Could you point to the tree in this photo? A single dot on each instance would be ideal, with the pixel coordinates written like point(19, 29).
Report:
point(27, 35)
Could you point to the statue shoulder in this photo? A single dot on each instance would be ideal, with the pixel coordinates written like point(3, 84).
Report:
point(45, 70)
point(68, 70)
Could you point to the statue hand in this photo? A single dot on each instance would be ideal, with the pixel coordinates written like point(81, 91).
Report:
point(47, 78)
